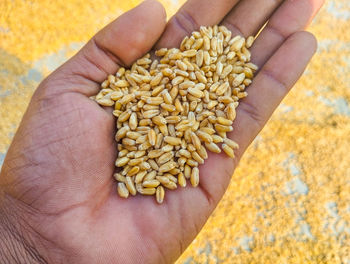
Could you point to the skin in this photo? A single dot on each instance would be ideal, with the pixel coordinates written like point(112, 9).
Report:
point(58, 200)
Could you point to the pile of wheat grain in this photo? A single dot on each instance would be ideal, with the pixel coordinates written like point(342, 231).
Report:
point(172, 110)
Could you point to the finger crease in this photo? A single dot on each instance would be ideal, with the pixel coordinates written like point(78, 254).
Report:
point(207, 195)
point(277, 82)
point(110, 55)
point(276, 31)
point(186, 22)
point(231, 26)
point(96, 65)
point(250, 110)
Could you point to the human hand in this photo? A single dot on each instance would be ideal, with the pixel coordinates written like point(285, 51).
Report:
point(58, 198)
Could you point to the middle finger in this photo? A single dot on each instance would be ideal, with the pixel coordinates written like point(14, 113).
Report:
point(248, 17)
point(192, 15)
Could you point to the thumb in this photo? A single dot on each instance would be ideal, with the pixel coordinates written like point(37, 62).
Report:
point(118, 44)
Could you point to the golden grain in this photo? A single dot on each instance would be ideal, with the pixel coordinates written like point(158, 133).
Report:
point(187, 171)
point(130, 185)
point(181, 179)
point(166, 108)
point(140, 176)
point(160, 193)
point(150, 183)
point(120, 162)
point(122, 190)
point(147, 191)
point(172, 140)
point(194, 178)
point(165, 158)
point(213, 147)
point(152, 137)
point(119, 177)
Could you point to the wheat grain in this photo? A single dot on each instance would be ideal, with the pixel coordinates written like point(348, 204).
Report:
point(167, 108)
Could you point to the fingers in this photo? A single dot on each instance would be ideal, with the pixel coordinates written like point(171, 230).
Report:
point(291, 16)
point(192, 15)
point(270, 86)
point(249, 16)
point(268, 89)
point(121, 42)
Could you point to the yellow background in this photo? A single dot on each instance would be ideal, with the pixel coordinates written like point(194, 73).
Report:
point(288, 201)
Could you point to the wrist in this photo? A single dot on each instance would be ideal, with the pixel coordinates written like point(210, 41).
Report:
point(15, 245)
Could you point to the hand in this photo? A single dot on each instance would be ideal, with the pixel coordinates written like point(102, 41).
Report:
point(58, 198)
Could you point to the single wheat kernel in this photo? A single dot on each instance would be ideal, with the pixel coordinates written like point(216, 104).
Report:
point(200, 77)
point(189, 53)
point(141, 139)
point(197, 157)
point(222, 128)
point(213, 147)
point(130, 185)
point(167, 148)
point(122, 83)
point(128, 142)
point(228, 150)
point(155, 153)
point(125, 170)
point(191, 162)
point(140, 176)
point(170, 185)
point(224, 121)
point(181, 179)
point(105, 102)
point(187, 171)
point(159, 141)
point(160, 193)
point(122, 133)
point(120, 162)
point(123, 153)
point(165, 157)
point(195, 141)
point(231, 112)
point(133, 171)
point(152, 137)
point(232, 144)
point(217, 139)
point(200, 58)
point(250, 41)
point(133, 135)
point(171, 177)
point(167, 166)
point(222, 88)
point(122, 190)
point(185, 153)
point(203, 152)
point(156, 79)
point(238, 44)
point(115, 96)
point(119, 177)
point(150, 183)
point(168, 107)
point(194, 178)
point(150, 113)
point(205, 137)
point(207, 130)
point(172, 140)
point(147, 191)
point(133, 121)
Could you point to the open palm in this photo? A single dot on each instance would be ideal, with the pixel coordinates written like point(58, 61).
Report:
point(58, 192)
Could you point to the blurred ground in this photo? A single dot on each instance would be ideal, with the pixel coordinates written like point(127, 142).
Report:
point(289, 201)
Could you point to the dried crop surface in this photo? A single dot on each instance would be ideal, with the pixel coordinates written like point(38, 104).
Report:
point(172, 110)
